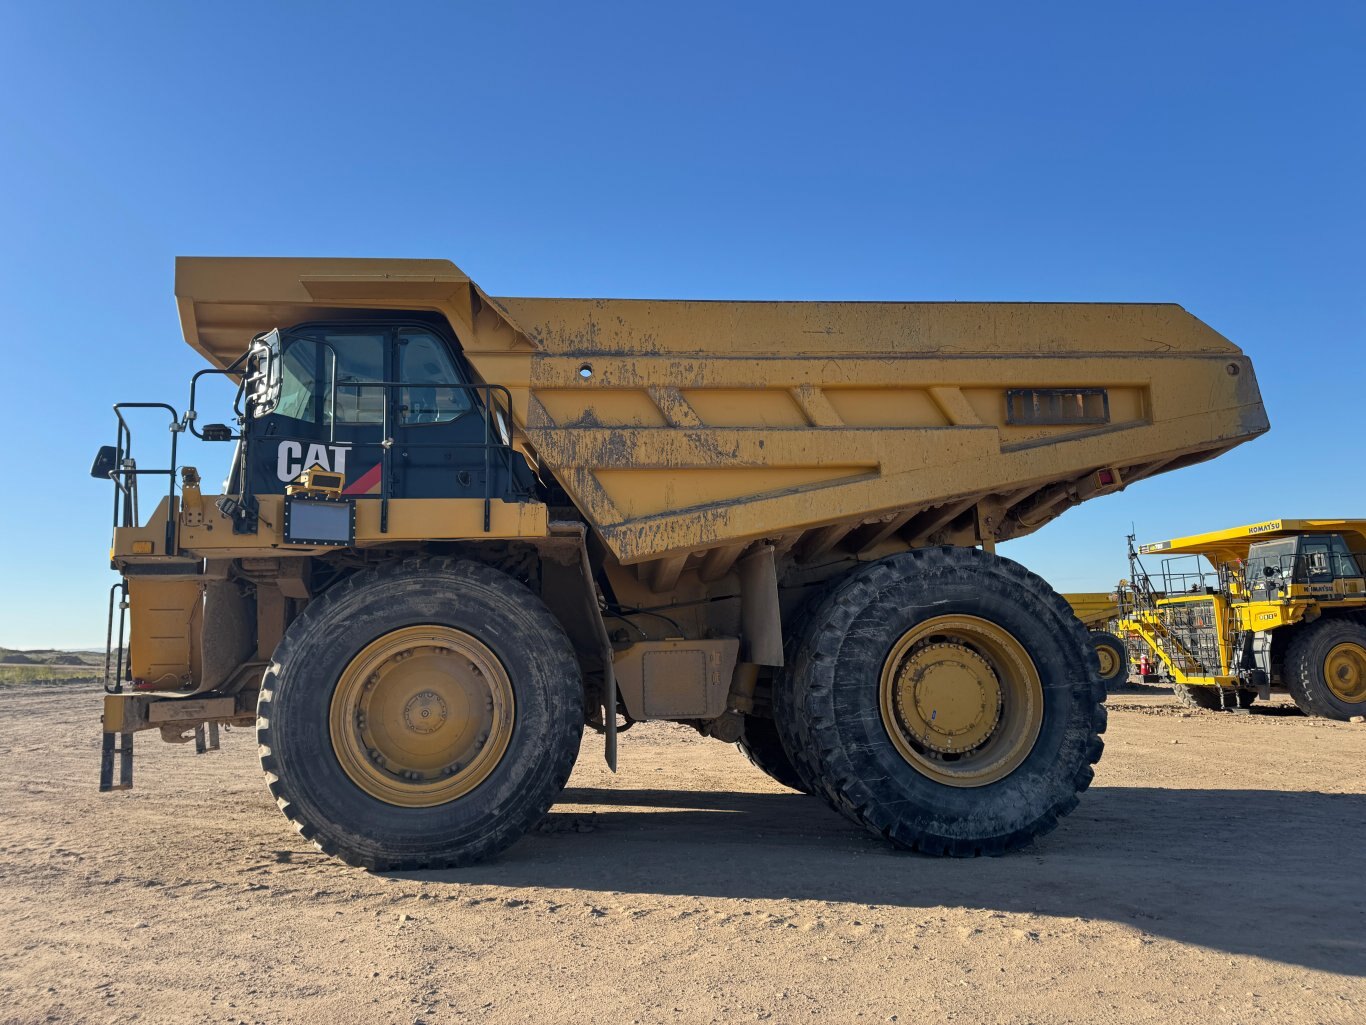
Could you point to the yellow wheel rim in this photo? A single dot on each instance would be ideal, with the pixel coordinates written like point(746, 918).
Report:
point(961, 700)
point(1344, 671)
point(421, 716)
point(1109, 663)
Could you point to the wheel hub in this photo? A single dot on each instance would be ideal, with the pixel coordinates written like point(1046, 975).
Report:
point(961, 700)
point(425, 712)
point(1345, 672)
point(948, 697)
point(421, 716)
point(1108, 663)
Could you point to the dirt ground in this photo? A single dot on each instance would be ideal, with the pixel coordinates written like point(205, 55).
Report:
point(1212, 874)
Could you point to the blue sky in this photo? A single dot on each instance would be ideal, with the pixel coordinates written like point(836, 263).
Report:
point(1207, 154)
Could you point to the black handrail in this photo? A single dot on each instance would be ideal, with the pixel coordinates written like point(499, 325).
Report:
point(113, 675)
point(491, 398)
point(125, 476)
point(191, 414)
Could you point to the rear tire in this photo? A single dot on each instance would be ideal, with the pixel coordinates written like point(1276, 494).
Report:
point(510, 753)
point(761, 744)
point(940, 624)
point(1196, 696)
point(1113, 657)
point(1325, 668)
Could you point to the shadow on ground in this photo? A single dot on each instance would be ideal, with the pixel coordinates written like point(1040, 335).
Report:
point(1274, 874)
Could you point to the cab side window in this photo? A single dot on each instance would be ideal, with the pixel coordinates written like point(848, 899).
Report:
point(1345, 565)
point(1315, 558)
point(328, 378)
point(298, 384)
point(432, 392)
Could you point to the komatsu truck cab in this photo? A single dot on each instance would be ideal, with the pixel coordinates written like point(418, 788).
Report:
point(460, 529)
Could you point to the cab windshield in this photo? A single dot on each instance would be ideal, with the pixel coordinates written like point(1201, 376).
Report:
point(332, 376)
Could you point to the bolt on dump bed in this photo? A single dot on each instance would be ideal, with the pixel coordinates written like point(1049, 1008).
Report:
point(459, 528)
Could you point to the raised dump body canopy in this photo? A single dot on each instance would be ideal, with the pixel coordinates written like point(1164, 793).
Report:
point(1232, 543)
point(684, 431)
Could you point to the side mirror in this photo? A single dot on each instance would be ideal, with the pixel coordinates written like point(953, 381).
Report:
point(263, 373)
point(106, 462)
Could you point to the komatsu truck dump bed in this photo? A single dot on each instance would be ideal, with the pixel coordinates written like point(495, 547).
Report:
point(457, 528)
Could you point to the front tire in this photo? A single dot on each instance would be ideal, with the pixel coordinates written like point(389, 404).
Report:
point(421, 715)
point(1325, 668)
point(946, 699)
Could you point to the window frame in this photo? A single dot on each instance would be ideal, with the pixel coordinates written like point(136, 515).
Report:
point(458, 367)
point(313, 331)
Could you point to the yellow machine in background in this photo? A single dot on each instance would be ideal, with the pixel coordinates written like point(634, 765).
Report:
point(1234, 612)
point(457, 529)
point(1099, 613)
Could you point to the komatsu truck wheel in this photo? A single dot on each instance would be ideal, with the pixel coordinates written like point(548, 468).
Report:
point(946, 699)
point(1325, 668)
point(1113, 658)
point(763, 747)
point(421, 715)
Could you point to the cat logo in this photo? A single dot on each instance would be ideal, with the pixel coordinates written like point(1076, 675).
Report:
point(291, 459)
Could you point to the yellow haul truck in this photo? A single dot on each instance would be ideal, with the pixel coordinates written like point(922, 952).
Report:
point(457, 529)
point(1099, 613)
point(1278, 603)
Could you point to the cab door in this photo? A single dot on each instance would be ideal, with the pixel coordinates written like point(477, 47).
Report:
point(443, 446)
point(1316, 554)
point(329, 411)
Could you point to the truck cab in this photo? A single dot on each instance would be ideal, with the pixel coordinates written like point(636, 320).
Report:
point(1304, 566)
point(388, 405)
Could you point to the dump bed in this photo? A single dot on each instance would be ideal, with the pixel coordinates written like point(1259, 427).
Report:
point(687, 430)
point(1094, 608)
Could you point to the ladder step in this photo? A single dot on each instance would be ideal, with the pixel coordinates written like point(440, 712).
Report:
point(120, 744)
point(205, 738)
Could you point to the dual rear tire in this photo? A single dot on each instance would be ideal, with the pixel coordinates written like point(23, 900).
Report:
point(763, 747)
point(945, 699)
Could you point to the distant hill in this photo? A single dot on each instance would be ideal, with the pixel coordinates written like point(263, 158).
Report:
point(49, 657)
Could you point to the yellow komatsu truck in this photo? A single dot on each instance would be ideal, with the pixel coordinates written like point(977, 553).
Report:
point(1234, 612)
point(457, 529)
